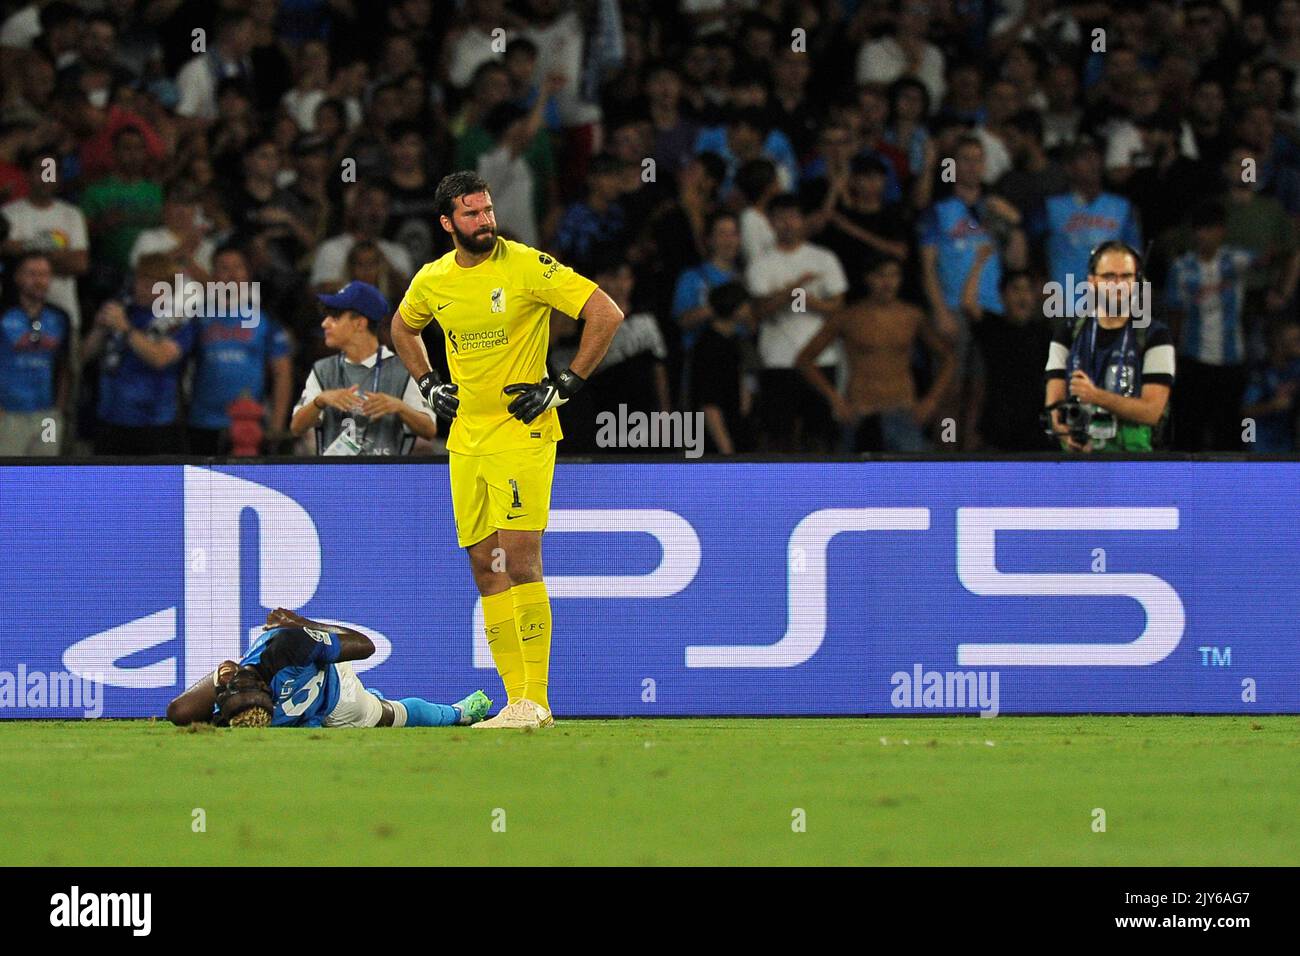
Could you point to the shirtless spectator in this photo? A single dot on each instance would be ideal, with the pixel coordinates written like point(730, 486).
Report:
point(880, 410)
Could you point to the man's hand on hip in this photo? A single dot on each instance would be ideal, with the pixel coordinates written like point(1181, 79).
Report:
point(532, 400)
point(440, 395)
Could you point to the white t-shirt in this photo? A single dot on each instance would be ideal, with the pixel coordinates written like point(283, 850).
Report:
point(1124, 145)
point(163, 239)
point(997, 158)
point(57, 227)
point(782, 337)
point(198, 87)
point(22, 28)
point(560, 47)
point(883, 61)
point(302, 107)
point(331, 263)
point(512, 193)
point(756, 235)
point(468, 52)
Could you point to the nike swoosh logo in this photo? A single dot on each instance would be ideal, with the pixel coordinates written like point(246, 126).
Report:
point(513, 517)
point(443, 306)
point(527, 639)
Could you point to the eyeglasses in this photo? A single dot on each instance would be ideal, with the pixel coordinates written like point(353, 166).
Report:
point(34, 335)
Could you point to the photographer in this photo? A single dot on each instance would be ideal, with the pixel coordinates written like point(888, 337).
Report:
point(1118, 373)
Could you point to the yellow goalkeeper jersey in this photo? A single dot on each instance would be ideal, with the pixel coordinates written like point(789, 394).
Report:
point(495, 320)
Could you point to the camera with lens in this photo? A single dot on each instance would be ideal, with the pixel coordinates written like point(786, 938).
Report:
point(1086, 422)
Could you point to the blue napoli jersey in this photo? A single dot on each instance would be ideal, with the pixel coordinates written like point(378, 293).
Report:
point(131, 391)
point(305, 693)
point(952, 226)
point(30, 349)
point(231, 361)
point(1074, 228)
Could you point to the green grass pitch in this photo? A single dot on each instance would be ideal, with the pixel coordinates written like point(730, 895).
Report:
point(1013, 790)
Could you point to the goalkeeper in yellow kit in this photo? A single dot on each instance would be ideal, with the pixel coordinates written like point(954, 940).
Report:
point(492, 298)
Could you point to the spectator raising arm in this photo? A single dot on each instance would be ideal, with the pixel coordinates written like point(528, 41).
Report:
point(970, 290)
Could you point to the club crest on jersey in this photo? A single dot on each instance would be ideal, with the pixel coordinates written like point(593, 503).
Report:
point(498, 299)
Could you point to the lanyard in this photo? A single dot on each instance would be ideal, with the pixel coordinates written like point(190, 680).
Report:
point(1099, 376)
point(374, 387)
point(379, 361)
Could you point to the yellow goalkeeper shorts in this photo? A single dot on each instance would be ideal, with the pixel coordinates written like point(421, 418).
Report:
point(509, 489)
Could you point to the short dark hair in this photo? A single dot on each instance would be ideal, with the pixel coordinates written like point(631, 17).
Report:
point(785, 201)
point(399, 129)
point(749, 116)
point(868, 163)
point(754, 177)
point(1029, 122)
point(484, 69)
point(501, 116)
point(1208, 213)
point(453, 186)
point(1114, 245)
point(521, 45)
point(231, 245)
point(909, 83)
point(715, 167)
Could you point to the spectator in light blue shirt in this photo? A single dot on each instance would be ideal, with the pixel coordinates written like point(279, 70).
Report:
point(1076, 222)
point(745, 136)
point(691, 295)
point(33, 363)
point(233, 356)
point(1205, 293)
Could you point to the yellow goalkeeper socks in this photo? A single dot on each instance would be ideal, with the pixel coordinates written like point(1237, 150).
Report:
point(503, 642)
point(533, 625)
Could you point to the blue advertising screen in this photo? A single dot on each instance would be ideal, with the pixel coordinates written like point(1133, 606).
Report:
point(692, 588)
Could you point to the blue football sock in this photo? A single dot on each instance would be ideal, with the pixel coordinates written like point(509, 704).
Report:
point(422, 713)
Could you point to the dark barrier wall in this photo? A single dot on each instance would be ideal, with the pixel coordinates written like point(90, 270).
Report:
point(680, 588)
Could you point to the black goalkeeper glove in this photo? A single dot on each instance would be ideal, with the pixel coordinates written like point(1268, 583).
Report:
point(440, 395)
point(548, 393)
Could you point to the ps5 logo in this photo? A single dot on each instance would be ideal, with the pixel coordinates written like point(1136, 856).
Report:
point(289, 569)
point(807, 599)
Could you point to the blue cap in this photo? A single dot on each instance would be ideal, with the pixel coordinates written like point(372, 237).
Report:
point(359, 297)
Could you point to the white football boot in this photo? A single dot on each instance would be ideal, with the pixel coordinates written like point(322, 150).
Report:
point(522, 713)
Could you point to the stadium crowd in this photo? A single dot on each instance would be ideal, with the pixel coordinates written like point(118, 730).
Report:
point(832, 226)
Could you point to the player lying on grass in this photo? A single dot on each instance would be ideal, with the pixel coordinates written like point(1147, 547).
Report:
point(299, 674)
